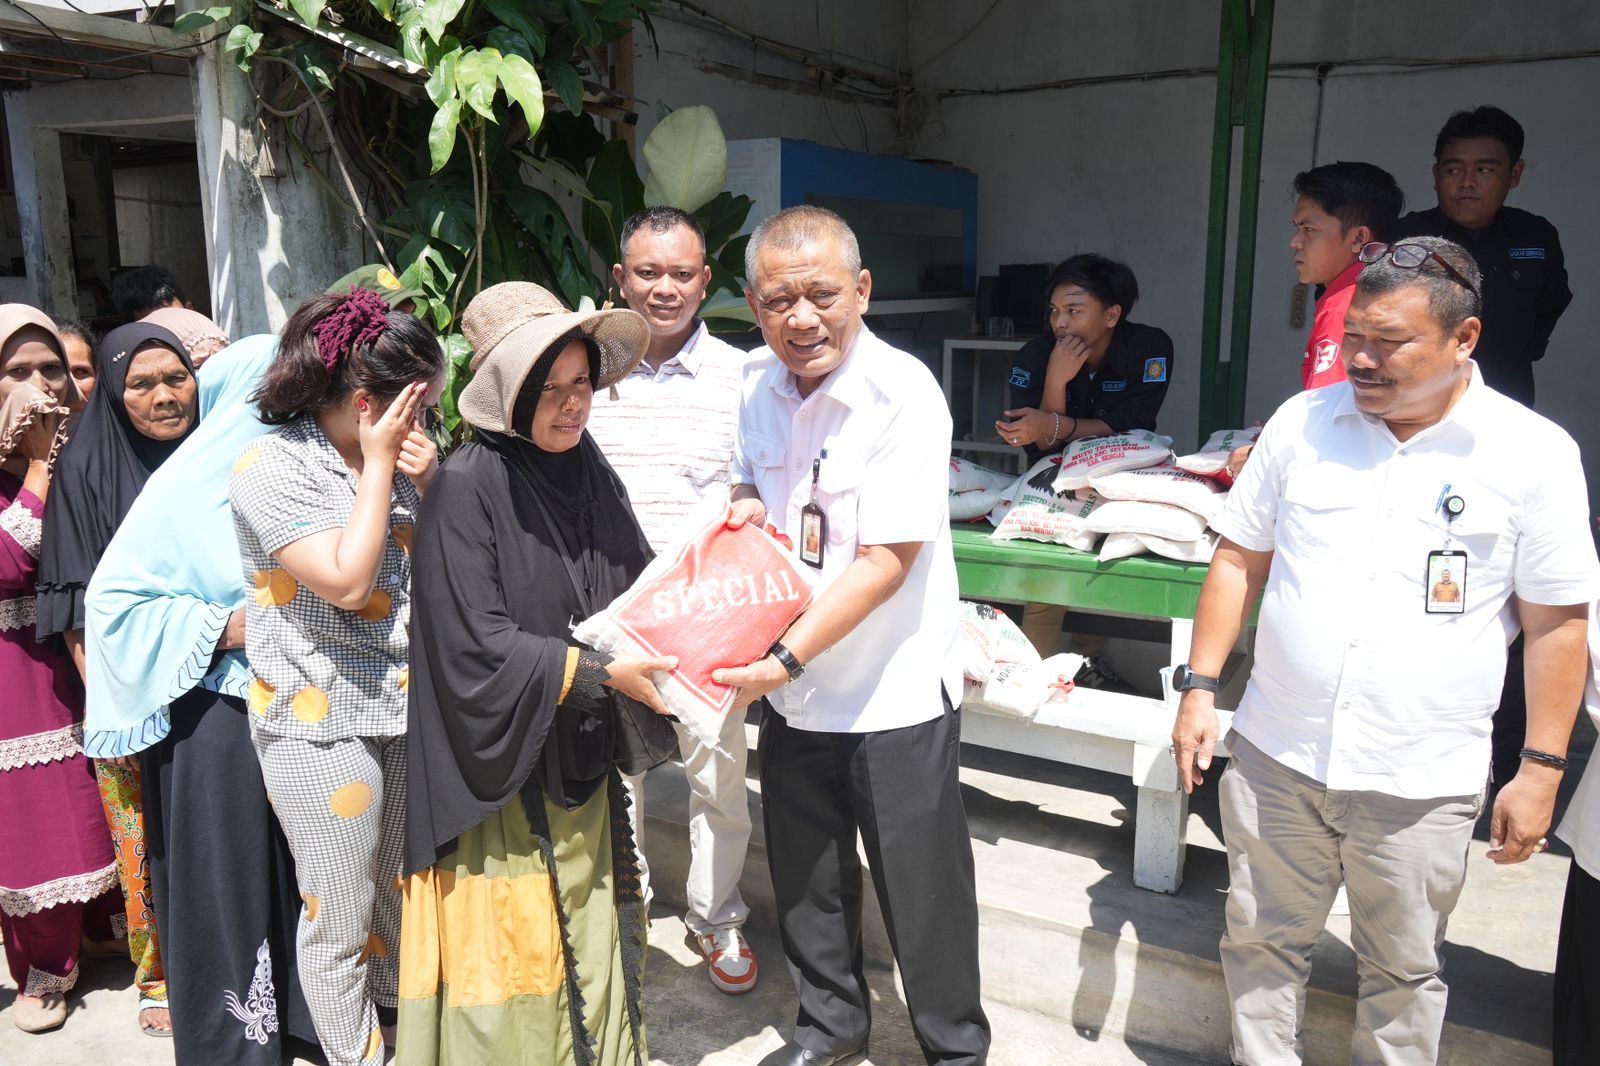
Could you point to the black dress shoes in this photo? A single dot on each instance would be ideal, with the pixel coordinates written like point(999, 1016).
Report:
point(792, 1054)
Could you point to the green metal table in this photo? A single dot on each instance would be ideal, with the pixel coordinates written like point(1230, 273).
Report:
point(1027, 571)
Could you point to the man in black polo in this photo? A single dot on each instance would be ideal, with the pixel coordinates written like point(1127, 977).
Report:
point(1477, 162)
point(1096, 372)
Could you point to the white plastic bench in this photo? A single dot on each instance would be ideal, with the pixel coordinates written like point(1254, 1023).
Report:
point(1126, 735)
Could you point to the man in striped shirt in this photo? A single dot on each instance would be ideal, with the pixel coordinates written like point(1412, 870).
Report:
point(669, 435)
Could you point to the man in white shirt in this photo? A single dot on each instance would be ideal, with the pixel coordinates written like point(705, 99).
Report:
point(844, 444)
point(1361, 747)
point(669, 435)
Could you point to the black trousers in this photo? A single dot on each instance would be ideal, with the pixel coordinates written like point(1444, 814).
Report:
point(897, 789)
point(225, 891)
point(1576, 1039)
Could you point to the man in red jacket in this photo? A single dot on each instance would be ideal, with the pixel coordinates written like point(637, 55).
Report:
point(1338, 208)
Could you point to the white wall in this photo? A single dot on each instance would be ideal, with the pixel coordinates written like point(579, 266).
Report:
point(700, 63)
point(1123, 168)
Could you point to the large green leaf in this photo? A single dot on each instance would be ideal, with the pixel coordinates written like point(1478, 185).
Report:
point(308, 10)
point(442, 82)
point(510, 43)
point(615, 182)
point(723, 217)
point(477, 78)
point(442, 133)
point(571, 138)
point(547, 223)
point(521, 83)
point(566, 83)
point(194, 21)
point(558, 172)
point(441, 208)
point(726, 312)
point(687, 157)
point(437, 15)
point(511, 13)
point(582, 25)
point(243, 42)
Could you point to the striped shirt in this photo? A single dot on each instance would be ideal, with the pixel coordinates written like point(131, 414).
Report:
point(669, 434)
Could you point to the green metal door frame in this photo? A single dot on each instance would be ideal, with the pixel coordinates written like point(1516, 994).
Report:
point(1245, 49)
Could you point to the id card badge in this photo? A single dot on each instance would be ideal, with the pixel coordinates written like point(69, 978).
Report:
point(813, 535)
point(1445, 583)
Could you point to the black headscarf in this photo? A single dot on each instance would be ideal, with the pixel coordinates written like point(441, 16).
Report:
point(492, 611)
point(100, 473)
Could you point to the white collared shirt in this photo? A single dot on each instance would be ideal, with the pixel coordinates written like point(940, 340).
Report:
point(1581, 826)
point(669, 434)
point(1354, 683)
point(885, 480)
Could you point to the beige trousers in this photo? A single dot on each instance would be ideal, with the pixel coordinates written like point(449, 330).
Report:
point(719, 828)
point(1290, 842)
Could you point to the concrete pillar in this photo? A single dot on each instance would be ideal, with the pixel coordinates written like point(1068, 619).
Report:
point(41, 207)
point(275, 234)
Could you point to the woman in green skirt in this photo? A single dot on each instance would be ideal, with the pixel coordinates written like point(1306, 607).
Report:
point(522, 935)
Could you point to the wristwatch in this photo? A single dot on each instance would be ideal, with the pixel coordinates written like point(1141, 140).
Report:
point(787, 660)
point(1184, 679)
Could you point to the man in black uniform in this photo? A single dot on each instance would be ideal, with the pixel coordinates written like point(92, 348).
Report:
point(1477, 162)
point(1096, 372)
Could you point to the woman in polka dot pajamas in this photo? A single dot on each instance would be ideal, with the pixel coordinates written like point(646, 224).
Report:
point(324, 507)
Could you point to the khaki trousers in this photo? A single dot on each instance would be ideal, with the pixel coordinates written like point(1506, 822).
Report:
point(719, 828)
point(1290, 842)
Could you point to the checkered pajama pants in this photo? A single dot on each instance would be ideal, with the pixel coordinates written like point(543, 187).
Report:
point(342, 807)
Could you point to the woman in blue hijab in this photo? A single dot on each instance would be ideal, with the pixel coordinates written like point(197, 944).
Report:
point(166, 678)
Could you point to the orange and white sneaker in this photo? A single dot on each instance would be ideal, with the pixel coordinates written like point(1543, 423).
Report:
point(731, 963)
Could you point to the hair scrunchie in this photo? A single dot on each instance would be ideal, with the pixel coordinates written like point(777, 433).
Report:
point(359, 318)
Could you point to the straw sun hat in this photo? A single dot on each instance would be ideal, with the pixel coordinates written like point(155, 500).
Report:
point(510, 325)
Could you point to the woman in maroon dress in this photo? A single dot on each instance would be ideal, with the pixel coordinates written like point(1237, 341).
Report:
point(58, 874)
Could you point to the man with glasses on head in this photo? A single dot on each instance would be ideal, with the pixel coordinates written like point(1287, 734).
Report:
point(1361, 746)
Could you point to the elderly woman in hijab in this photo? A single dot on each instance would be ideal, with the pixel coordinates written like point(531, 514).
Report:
point(58, 874)
point(522, 931)
point(144, 404)
point(167, 682)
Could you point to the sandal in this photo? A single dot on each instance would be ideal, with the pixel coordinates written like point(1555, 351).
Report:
point(39, 1014)
point(148, 1026)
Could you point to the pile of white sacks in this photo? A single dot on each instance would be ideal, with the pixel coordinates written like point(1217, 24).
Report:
point(1003, 671)
point(1125, 494)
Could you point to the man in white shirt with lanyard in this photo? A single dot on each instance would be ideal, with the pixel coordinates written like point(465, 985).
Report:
point(669, 435)
point(844, 444)
point(1361, 747)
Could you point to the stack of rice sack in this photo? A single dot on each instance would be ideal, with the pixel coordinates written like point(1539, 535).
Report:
point(974, 490)
point(1126, 494)
point(1002, 669)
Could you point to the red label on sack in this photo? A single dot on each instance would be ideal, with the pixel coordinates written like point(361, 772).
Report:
point(729, 594)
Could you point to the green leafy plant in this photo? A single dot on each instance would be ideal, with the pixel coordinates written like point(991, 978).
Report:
point(463, 143)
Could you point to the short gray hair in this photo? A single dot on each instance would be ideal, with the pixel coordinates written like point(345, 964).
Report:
point(1450, 302)
point(793, 227)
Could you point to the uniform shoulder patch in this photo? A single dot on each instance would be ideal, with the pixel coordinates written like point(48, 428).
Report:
point(1020, 377)
point(1155, 369)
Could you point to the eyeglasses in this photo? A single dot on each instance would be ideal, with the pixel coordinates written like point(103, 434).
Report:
point(1411, 257)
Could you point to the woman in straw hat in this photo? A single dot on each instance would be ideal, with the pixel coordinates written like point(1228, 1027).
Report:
point(323, 508)
point(58, 874)
point(523, 934)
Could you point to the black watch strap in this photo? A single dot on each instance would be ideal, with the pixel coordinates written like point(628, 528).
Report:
point(1184, 679)
point(786, 657)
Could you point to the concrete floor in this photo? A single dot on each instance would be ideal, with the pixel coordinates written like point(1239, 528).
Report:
point(689, 1022)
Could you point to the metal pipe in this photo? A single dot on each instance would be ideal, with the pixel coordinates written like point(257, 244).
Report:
point(1214, 375)
point(1244, 270)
